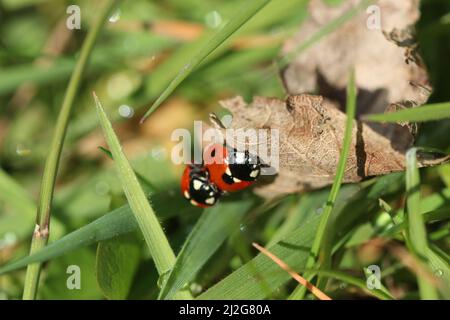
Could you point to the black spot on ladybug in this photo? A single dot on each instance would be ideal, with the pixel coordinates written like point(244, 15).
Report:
point(227, 179)
point(202, 190)
point(244, 166)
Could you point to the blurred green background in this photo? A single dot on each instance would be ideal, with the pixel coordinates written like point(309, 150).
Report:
point(141, 49)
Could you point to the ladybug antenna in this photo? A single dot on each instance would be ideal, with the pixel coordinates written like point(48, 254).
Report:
point(216, 121)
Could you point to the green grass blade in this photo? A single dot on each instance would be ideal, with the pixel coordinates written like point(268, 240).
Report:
point(416, 232)
point(154, 236)
point(262, 277)
point(382, 293)
point(15, 196)
point(435, 215)
point(428, 112)
point(117, 261)
point(258, 277)
point(318, 254)
point(213, 227)
point(112, 224)
point(244, 14)
point(440, 264)
point(40, 235)
point(115, 223)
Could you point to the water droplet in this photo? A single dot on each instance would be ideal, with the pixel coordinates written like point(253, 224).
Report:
point(213, 19)
point(186, 67)
point(159, 153)
point(438, 273)
point(102, 188)
point(195, 288)
point(163, 279)
point(115, 16)
point(319, 210)
point(23, 150)
point(342, 286)
point(126, 111)
point(243, 227)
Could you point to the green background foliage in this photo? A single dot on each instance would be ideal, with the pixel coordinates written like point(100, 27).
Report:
point(209, 252)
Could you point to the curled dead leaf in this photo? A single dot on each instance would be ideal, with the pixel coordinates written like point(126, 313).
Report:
point(311, 132)
point(390, 73)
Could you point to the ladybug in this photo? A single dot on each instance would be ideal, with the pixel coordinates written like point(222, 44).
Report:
point(231, 170)
point(197, 187)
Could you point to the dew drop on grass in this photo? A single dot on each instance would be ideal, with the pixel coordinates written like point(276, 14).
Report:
point(342, 286)
point(115, 16)
point(163, 279)
point(243, 227)
point(319, 211)
point(23, 150)
point(438, 273)
point(213, 19)
point(126, 111)
point(195, 288)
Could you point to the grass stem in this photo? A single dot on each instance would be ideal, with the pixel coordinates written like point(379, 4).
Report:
point(317, 254)
point(41, 232)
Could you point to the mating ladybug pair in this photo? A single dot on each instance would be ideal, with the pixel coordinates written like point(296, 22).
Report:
point(224, 170)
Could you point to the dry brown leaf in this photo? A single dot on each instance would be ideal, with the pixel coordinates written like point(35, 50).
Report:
point(389, 75)
point(311, 131)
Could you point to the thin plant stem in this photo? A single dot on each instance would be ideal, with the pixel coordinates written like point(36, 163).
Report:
point(41, 231)
point(317, 254)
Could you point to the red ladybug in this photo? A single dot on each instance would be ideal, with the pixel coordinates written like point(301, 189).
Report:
point(231, 170)
point(197, 187)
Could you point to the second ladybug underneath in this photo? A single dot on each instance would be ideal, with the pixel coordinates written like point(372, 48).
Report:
point(224, 170)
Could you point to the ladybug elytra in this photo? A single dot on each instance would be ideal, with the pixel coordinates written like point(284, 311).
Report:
point(231, 170)
point(197, 187)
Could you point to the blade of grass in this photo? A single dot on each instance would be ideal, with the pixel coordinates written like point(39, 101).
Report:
point(41, 232)
point(243, 15)
point(313, 289)
point(211, 230)
point(154, 236)
point(382, 293)
point(440, 263)
point(317, 252)
point(115, 223)
point(141, 178)
point(416, 232)
point(15, 196)
point(110, 225)
point(261, 277)
point(428, 112)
